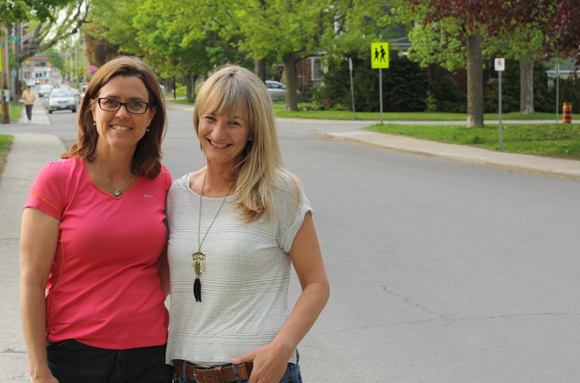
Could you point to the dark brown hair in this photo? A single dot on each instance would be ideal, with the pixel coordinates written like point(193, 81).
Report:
point(147, 157)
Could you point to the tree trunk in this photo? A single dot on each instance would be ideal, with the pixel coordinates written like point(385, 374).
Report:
point(168, 83)
point(474, 81)
point(5, 78)
point(290, 60)
point(526, 85)
point(260, 69)
point(190, 84)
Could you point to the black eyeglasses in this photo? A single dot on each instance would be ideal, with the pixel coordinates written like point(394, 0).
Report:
point(110, 105)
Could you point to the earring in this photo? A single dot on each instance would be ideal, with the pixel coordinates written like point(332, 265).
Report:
point(94, 123)
point(147, 129)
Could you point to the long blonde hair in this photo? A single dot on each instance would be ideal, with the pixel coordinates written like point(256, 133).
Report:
point(260, 161)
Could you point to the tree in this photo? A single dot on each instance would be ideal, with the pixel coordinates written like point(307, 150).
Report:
point(461, 26)
point(45, 34)
point(563, 29)
point(291, 29)
point(161, 38)
point(16, 11)
point(55, 59)
point(98, 50)
point(11, 12)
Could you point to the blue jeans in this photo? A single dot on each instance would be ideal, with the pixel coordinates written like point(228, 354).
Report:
point(29, 111)
point(292, 375)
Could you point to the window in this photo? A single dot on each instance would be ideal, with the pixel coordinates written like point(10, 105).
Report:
point(317, 68)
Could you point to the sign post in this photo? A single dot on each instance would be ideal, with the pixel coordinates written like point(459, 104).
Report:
point(351, 88)
point(500, 67)
point(557, 91)
point(380, 60)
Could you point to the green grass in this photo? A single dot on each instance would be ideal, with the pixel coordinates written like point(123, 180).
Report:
point(181, 100)
point(15, 112)
point(551, 140)
point(5, 145)
point(279, 109)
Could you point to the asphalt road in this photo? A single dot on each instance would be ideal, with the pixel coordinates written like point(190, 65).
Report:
point(440, 271)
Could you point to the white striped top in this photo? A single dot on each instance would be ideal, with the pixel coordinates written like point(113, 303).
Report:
point(244, 286)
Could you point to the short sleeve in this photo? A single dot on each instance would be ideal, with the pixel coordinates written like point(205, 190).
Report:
point(166, 178)
point(46, 193)
point(289, 211)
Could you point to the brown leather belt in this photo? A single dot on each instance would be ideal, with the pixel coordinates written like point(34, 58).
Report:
point(219, 374)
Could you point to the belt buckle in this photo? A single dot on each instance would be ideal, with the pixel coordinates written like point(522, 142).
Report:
point(199, 367)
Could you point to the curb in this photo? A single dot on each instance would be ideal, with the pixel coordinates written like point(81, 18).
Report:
point(476, 156)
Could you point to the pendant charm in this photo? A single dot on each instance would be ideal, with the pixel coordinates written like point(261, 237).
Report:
point(197, 290)
point(117, 192)
point(198, 262)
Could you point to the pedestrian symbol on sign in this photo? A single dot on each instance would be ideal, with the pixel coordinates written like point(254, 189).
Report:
point(379, 55)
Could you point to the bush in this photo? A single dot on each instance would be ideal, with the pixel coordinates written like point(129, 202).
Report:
point(544, 97)
point(449, 98)
point(311, 106)
point(405, 87)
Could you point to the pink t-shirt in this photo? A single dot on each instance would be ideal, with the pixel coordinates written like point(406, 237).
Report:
point(104, 289)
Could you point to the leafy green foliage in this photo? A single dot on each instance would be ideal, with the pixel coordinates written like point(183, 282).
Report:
point(24, 10)
point(544, 97)
point(405, 87)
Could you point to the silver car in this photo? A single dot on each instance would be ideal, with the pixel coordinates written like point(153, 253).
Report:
point(61, 99)
point(276, 89)
point(44, 90)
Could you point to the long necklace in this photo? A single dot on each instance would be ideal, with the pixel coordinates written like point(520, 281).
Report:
point(117, 192)
point(198, 258)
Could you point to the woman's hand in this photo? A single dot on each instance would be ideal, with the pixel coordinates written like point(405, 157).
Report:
point(270, 363)
point(45, 379)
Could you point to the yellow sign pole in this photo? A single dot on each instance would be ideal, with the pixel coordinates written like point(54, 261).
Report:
point(380, 60)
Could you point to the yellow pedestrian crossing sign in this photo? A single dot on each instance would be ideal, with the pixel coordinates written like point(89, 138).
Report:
point(379, 55)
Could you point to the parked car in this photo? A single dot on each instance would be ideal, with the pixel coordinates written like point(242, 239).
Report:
point(276, 89)
point(30, 84)
point(61, 99)
point(44, 90)
point(82, 90)
point(75, 93)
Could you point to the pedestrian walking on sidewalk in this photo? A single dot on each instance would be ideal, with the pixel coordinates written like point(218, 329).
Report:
point(28, 96)
point(93, 241)
point(236, 226)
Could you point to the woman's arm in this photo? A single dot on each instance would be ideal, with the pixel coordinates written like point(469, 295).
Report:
point(38, 241)
point(270, 361)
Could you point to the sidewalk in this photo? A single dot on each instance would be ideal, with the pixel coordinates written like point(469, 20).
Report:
point(29, 153)
point(468, 154)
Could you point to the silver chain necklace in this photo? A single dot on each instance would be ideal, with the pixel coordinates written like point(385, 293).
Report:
point(117, 192)
point(198, 258)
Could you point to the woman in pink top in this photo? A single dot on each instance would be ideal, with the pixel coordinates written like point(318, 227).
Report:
point(93, 240)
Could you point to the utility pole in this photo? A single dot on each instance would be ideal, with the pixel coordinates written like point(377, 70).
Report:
point(76, 65)
point(5, 72)
point(17, 50)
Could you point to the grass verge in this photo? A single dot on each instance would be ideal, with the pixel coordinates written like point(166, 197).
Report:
point(280, 106)
point(5, 145)
point(279, 109)
point(550, 140)
point(15, 112)
point(181, 100)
